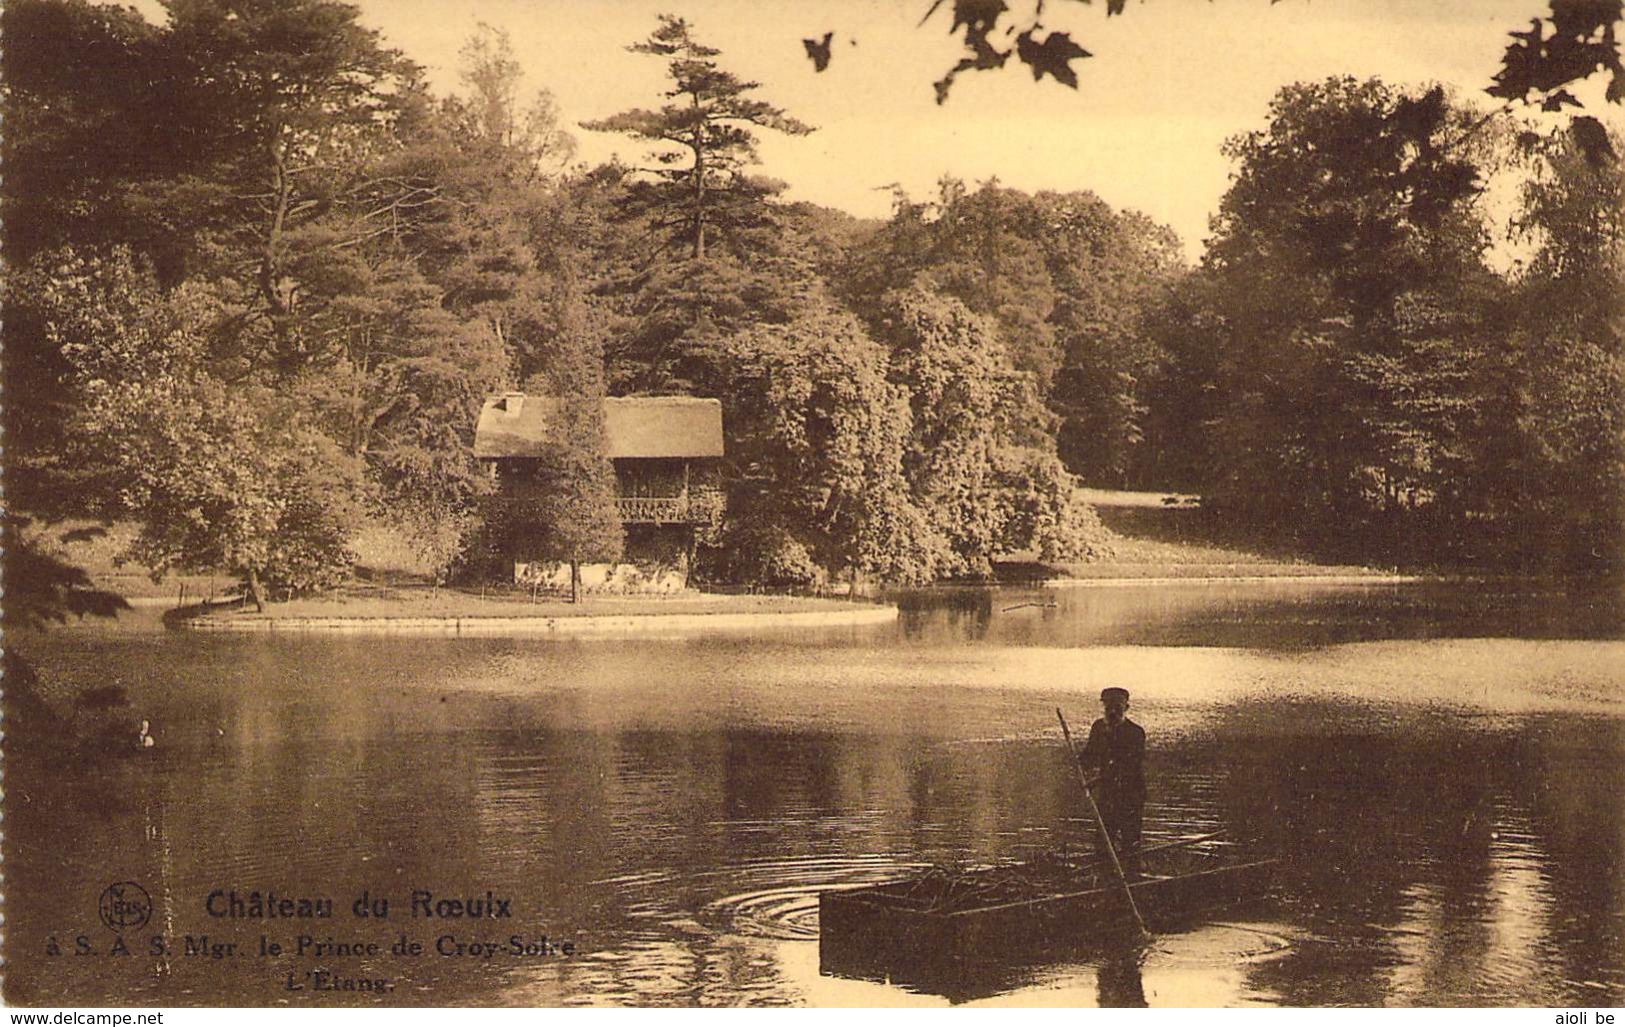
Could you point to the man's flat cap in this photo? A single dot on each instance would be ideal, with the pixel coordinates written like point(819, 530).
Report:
point(1113, 693)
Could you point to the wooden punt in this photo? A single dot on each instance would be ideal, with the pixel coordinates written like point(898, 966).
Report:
point(942, 923)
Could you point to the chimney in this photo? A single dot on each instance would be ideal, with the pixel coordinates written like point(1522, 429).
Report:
point(512, 402)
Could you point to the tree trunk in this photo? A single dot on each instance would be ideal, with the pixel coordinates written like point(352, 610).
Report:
point(256, 591)
point(575, 581)
point(698, 146)
point(271, 263)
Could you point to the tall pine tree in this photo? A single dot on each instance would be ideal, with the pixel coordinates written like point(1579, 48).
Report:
point(704, 142)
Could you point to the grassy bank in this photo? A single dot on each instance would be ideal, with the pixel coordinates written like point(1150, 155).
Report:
point(1153, 558)
point(1166, 535)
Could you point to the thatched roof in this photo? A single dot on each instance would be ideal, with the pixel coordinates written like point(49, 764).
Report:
point(635, 427)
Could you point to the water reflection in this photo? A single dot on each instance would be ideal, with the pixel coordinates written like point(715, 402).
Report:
point(1449, 809)
point(1118, 982)
point(1290, 613)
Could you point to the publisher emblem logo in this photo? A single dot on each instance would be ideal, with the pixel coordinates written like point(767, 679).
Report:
point(125, 906)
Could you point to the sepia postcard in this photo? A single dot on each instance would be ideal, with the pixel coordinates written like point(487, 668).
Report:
point(922, 503)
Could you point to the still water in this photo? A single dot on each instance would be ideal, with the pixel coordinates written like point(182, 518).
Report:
point(1442, 768)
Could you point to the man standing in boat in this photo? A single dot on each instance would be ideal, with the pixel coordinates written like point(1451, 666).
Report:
point(1114, 763)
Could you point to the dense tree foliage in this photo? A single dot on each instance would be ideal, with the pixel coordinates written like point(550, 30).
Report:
point(892, 454)
point(217, 475)
point(816, 440)
point(1560, 410)
point(1349, 266)
point(262, 280)
point(965, 397)
point(1067, 281)
point(1348, 370)
point(756, 323)
point(339, 253)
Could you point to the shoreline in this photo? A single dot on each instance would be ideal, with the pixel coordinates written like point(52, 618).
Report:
point(588, 624)
point(651, 620)
point(226, 621)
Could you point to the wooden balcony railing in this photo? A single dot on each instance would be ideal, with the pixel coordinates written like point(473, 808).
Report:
point(653, 509)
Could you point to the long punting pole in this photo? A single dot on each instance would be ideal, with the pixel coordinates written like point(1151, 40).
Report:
point(1100, 824)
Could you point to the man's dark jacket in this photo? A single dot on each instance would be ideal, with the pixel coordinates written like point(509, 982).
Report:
point(1119, 754)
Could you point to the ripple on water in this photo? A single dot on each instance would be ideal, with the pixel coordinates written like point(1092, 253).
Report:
point(1223, 944)
point(778, 898)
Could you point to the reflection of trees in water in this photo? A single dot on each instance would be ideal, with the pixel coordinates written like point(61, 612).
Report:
point(947, 615)
point(896, 793)
point(1570, 775)
point(1397, 859)
point(71, 829)
point(1273, 614)
point(1117, 982)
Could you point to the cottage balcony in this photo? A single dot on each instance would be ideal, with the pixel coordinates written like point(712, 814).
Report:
point(654, 509)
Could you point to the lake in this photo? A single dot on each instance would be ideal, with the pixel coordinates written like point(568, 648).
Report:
point(1440, 765)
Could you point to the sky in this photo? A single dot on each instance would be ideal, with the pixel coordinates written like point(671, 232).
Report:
point(1169, 82)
